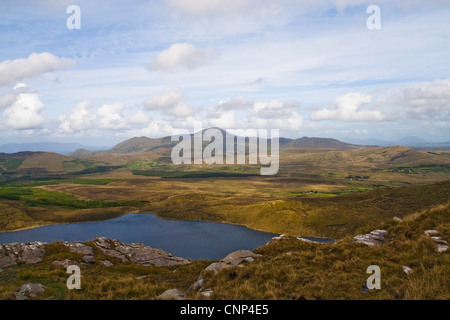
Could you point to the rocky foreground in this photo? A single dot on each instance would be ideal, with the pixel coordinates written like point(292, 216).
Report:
point(34, 252)
point(138, 253)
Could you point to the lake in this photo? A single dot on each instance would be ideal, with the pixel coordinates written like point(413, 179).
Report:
point(187, 239)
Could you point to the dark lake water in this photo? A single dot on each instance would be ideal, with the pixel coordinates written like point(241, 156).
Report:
point(188, 239)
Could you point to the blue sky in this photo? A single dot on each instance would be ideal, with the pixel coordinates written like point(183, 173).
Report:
point(143, 67)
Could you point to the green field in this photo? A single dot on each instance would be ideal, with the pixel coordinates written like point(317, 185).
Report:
point(35, 197)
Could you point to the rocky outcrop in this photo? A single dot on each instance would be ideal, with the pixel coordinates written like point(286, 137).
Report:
point(27, 253)
point(439, 243)
point(172, 294)
point(30, 290)
point(138, 253)
point(374, 238)
point(234, 259)
point(81, 248)
point(65, 263)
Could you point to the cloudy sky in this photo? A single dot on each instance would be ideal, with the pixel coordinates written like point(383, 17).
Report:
point(148, 67)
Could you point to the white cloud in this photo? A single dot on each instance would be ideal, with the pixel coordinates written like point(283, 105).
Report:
point(225, 120)
point(110, 117)
point(275, 115)
point(182, 55)
point(239, 103)
point(23, 108)
point(170, 102)
point(139, 118)
point(425, 100)
point(35, 64)
point(259, 115)
point(154, 128)
point(208, 7)
point(347, 109)
point(82, 118)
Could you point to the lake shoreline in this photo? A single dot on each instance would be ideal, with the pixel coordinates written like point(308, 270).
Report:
point(190, 239)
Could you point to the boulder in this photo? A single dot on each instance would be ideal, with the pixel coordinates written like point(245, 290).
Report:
point(206, 293)
point(30, 290)
point(440, 244)
point(216, 267)
point(15, 253)
point(7, 258)
point(197, 285)
point(172, 294)
point(407, 270)
point(138, 253)
point(432, 233)
point(33, 252)
point(89, 259)
point(374, 238)
point(66, 263)
point(80, 248)
point(234, 259)
point(106, 264)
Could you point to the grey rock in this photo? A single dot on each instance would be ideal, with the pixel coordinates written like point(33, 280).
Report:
point(15, 253)
point(234, 259)
point(432, 233)
point(80, 248)
point(66, 263)
point(7, 258)
point(138, 253)
point(397, 219)
point(374, 238)
point(89, 259)
point(206, 293)
point(30, 290)
point(407, 270)
point(216, 267)
point(440, 244)
point(439, 240)
point(172, 294)
point(441, 247)
point(106, 264)
point(317, 240)
point(197, 285)
point(33, 252)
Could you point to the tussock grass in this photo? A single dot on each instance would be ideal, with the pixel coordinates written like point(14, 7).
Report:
point(291, 269)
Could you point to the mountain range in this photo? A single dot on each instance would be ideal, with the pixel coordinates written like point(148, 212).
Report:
point(409, 141)
point(57, 147)
point(145, 144)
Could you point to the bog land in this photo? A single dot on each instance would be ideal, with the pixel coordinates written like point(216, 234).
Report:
point(323, 189)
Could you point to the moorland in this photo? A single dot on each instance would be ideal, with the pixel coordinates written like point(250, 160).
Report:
point(324, 188)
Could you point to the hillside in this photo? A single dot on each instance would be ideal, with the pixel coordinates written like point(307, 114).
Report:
point(36, 164)
point(56, 147)
point(145, 144)
point(285, 268)
point(325, 143)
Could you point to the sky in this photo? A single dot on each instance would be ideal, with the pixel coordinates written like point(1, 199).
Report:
point(114, 70)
